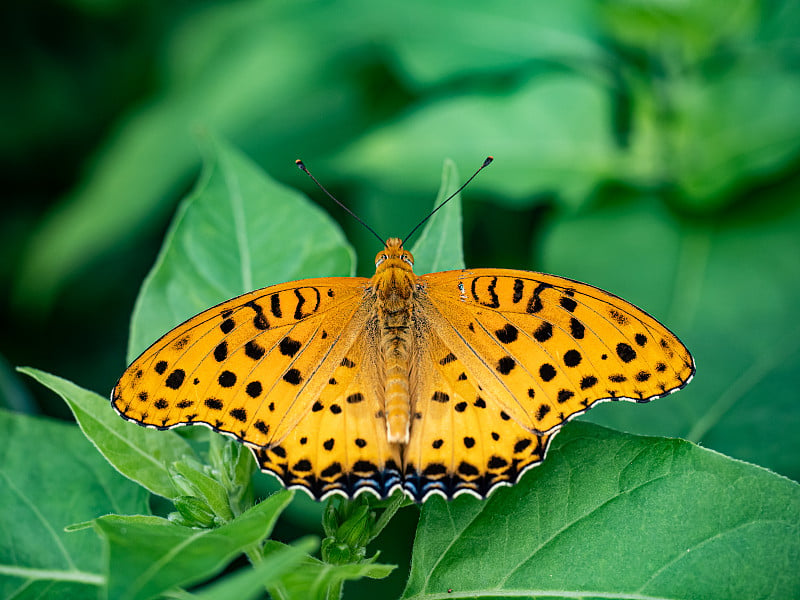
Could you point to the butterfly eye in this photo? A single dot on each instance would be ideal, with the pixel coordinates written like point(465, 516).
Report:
point(381, 258)
point(406, 258)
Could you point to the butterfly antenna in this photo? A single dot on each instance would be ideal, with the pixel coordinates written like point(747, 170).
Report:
point(485, 164)
point(305, 170)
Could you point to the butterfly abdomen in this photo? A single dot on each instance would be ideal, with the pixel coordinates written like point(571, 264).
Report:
point(397, 399)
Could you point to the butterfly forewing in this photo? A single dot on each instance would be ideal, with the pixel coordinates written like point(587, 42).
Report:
point(248, 366)
point(546, 348)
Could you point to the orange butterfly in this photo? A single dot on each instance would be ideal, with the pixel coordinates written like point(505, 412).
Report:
point(449, 383)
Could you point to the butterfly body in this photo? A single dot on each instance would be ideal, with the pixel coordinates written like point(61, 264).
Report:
point(444, 383)
point(393, 284)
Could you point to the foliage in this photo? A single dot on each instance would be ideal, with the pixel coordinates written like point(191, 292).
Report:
point(652, 151)
point(600, 494)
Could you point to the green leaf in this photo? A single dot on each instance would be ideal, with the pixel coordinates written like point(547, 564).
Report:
point(248, 584)
point(238, 231)
point(149, 555)
point(550, 135)
point(730, 290)
point(616, 516)
point(142, 455)
point(439, 246)
point(50, 478)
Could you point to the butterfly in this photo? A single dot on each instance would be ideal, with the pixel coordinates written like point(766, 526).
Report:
point(444, 383)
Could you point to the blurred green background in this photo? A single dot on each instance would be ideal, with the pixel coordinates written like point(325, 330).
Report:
point(649, 148)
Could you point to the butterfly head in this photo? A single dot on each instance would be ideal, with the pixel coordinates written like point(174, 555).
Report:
point(394, 275)
point(394, 256)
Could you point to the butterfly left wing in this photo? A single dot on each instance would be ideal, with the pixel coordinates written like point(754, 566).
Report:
point(547, 348)
point(250, 367)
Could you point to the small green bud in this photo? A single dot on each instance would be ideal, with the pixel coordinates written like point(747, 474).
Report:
point(195, 512)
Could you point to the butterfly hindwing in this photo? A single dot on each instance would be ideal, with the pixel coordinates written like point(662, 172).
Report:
point(547, 348)
point(461, 439)
point(341, 444)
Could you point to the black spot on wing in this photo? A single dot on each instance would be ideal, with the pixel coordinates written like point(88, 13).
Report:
point(253, 350)
point(240, 414)
point(175, 379)
point(275, 306)
point(448, 359)
point(567, 303)
point(288, 346)
point(572, 358)
point(355, 398)
point(625, 352)
point(494, 301)
point(547, 372)
point(544, 332)
point(535, 302)
point(227, 379)
point(507, 333)
point(292, 376)
point(505, 365)
point(301, 301)
point(564, 395)
point(254, 389)
point(576, 329)
point(519, 287)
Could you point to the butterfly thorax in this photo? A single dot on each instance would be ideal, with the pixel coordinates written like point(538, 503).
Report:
point(393, 285)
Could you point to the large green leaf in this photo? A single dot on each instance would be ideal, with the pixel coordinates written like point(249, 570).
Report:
point(51, 477)
point(142, 455)
point(240, 230)
point(149, 555)
point(611, 515)
point(730, 290)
